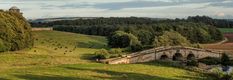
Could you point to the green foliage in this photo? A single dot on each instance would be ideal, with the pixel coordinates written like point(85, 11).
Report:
point(115, 51)
point(171, 38)
point(15, 32)
point(231, 74)
point(102, 54)
point(37, 65)
point(121, 39)
point(192, 63)
point(145, 37)
point(197, 45)
point(210, 61)
point(225, 60)
point(105, 54)
point(2, 46)
point(220, 23)
point(204, 36)
point(220, 75)
point(145, 29)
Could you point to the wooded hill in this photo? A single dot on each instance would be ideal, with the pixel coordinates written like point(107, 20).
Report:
point(15, 32)
point(146, 30)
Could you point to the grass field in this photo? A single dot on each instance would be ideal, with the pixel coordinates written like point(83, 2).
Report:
point(65, 56)
point(226, 30)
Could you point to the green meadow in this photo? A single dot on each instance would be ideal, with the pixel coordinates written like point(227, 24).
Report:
point(67, 56)
point(226, 30)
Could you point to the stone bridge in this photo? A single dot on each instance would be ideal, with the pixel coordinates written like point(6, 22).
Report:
point(173, 53)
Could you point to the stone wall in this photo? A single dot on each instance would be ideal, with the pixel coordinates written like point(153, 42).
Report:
point(142, 58)
point(42, 29)
point(156, 53)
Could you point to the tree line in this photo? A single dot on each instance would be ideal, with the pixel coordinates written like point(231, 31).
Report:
point(137, 33)
point(219, 23)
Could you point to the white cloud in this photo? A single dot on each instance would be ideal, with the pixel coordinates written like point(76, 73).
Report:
point(221, 14)
point(143, 8)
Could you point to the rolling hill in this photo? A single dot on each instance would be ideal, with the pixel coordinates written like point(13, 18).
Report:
point(66, 56)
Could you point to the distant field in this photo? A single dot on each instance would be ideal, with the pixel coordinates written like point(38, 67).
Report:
point(228, 46)
point(65, 56)
point(226, 30)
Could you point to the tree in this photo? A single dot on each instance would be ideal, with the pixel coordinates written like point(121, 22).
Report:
point(102, 54)
point(121, 39)
point(171, 38)
point(200, 29)
point(15, 32)
point(225, 60)
point(145, 37)
point(203, 36)
point(135, 44)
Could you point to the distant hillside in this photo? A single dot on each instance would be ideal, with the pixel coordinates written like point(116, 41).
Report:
point(15, 32)
point(46, 20)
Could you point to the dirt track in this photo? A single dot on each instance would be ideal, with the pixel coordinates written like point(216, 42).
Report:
point(228, 45)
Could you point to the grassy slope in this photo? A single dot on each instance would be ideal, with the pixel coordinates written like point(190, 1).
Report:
point(43, 62)
point(226, 30)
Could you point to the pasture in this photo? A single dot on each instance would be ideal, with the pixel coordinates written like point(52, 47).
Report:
point(226, 30)
point(67, 56)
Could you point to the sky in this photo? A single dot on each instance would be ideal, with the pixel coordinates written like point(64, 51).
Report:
point(33, 9)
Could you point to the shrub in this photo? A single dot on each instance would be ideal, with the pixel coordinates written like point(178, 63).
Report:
point(192, 63)
point(231, 74)
point(121, 39)
point(115, 51)
point(220, 75)
point(231, 63)
point(210, 61)
point(112, 53)
point(171, 38)
point(102, 54)
point(225, 60)
point(135, 48)
point(197, 45)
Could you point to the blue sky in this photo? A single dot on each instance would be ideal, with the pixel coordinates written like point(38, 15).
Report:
point(121, 8)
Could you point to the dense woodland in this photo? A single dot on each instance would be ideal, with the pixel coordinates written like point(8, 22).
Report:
point(220, 23)
point(15, 32)
point(137, 33)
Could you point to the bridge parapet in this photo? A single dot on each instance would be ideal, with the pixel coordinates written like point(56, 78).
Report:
point(160, 52)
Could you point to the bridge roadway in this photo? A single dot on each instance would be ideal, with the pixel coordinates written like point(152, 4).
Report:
point(176, 53)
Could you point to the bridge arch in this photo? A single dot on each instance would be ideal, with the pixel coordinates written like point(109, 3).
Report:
point(164, 57)
point(191, 56)
point(177, 57)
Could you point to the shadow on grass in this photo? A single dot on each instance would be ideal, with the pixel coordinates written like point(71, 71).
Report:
point(91, 44)
point(4, 79)
point(43, 77)
point(88, 57)
point(121, 75)
point(203, 75)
